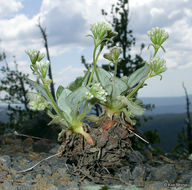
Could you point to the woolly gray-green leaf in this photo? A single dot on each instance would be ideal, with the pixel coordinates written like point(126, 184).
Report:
point(76, 84)
point(59, 91)
point(132, 106)
point(75, 99)
point(63, 104)
point(138, 75)
point(104, 76)
point(119, 86)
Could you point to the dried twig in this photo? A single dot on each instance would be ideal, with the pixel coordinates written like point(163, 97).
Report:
point(81, 180)
point(134, 133)
point(39, 138)
point(29, 169)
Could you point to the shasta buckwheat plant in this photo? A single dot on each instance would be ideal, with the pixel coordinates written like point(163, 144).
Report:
point(115, 95)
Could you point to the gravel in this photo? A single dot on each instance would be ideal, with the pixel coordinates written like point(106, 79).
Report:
point(56, 173)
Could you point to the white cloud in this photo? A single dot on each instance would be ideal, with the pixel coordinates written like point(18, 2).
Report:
point(18, 34)
point(156, 11)
point(7, 7)
point(68, 74)
point(67, 23)
point(175, 18)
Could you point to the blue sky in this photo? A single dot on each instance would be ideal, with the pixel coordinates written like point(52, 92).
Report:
point(67, 22)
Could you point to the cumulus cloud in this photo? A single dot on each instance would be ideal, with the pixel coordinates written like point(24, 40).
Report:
point(8, 7)
point(18, 34)
point(67, 23)
point(68, 74)
point(175, 18)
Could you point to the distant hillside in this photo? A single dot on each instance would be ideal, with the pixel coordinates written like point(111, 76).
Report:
point(168, 127)
point(163, 101)
point(3, 115)
point(168, 118)
point(167, 104)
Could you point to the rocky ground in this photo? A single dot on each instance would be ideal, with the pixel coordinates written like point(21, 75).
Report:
point(142, 170)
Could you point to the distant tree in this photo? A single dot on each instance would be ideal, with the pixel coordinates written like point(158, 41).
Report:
point(44, 35)
point(188, 121)
point(120, 23)
point(14, 88)
point(152, 136)
point(184, 146)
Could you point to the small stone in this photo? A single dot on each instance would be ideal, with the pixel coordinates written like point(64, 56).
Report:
point(139, 172)
point(46, 169)
point(29, 178)
point(8, 186)
point(62, 171)
point(124, 173)
point(52, 188)
point(136, 157)
point(26, 186)
point(185, 178)
point(185, 164)
point(162, 173)
point(5, 161)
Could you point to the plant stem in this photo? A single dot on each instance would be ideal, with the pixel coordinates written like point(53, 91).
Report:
point(94, 65)
point(138, 86)
point(115, 68)
point(51, 98)
point(53, 102)
point(141, 83)
point(156, 50)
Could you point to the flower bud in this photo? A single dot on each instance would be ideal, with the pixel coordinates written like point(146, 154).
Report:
point(43, 67)
point(102, 31)
point(114, 54)
point(157, 66)
point(35, 55)
point(158, 36)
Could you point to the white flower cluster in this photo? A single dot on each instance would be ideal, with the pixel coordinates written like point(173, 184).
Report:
point(36, 102)
point(35, 55)
point(43, 67)
point(96, 91)
point(158, 36)
point(100, 30)
point(157, 66)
